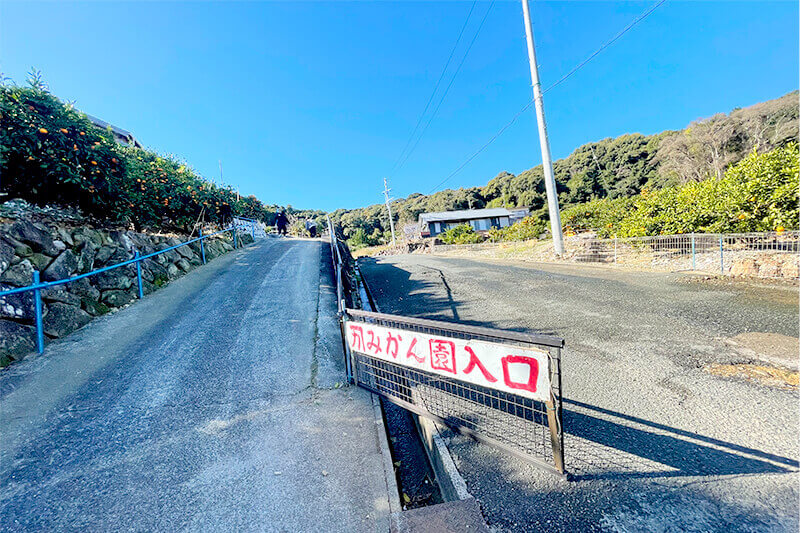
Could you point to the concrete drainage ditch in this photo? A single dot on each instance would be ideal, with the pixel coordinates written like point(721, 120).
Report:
point(433, 495)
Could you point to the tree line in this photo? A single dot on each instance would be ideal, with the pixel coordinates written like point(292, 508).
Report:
point(610, 169)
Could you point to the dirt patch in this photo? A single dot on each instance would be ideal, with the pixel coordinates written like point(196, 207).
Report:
point(773, 347)
point(787, 287)
point(765, 375)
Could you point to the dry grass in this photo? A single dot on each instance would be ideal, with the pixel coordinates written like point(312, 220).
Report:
point(765, 375)
point(370, 251)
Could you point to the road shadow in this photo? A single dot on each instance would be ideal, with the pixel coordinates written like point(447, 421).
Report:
point(599, 443)
point(604, 444)
point(627, 473)
point(396, 292)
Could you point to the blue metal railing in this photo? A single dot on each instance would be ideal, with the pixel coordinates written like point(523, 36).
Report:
point(39, 285)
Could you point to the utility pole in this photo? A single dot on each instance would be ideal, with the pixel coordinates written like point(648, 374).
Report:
point(386, 190)
point(547, 163)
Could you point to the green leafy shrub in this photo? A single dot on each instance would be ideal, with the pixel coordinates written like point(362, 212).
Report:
point(760, 193)
point(52, 153)
point(601, 214)
point(463, 234)
point(524, 230)
point(360, 239)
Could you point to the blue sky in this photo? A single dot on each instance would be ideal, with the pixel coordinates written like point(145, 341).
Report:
point(310, 104)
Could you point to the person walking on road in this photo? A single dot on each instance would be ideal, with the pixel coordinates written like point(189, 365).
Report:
point(281, 222)
point(311, 228)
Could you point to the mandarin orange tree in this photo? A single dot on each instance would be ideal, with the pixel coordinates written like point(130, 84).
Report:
point(52, 153)
point(759, 193)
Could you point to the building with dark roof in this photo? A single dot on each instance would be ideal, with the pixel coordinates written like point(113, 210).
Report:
point(432, 224)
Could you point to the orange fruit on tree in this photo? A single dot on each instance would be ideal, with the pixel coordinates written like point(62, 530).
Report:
point(42, 130)
point(64, 130)
point(93, 162)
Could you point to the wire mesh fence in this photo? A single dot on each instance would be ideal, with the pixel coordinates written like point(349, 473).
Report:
point(527, 428)
point(765, 255)
point(249, 226)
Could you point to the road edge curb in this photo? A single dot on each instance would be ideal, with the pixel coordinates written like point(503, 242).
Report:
point(393, 491)
point(451, 483)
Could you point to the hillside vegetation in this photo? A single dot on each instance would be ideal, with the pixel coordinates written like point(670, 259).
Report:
point(759, 193)
point(51, 153)
point(605, 179)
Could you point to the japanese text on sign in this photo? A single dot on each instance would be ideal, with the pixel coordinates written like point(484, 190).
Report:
point(509, 368)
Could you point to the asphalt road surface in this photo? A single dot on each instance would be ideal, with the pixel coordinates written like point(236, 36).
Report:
point(654, 441)
point(211, 405)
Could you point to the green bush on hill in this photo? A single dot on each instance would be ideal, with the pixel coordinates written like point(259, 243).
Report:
point(462, 234)
point(360, 239)
point(524, 230)
point(760, 193)
point(51, 153)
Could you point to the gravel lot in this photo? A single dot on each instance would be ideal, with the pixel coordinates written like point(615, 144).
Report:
point(654, 441)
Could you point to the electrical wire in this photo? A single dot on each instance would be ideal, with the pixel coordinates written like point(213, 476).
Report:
point(607, 44)
point(449, 85)
point(436, 87)
point(486, 145)
point(563, 78)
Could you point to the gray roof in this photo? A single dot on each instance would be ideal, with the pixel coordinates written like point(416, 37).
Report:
point(119, 132)
point(466, 214)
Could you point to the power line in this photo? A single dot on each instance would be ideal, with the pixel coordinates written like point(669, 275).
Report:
point(436, 88)
point(560, 80)
point(444, 95)
point(607, 44)
point(486, 145)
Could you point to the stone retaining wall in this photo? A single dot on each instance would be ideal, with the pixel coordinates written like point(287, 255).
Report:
point(59, 251)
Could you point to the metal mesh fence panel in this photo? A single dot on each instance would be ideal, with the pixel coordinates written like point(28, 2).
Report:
point(518, 425)
point(774, 253)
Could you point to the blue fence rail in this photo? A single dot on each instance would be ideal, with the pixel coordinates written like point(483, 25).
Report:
point(39, 285)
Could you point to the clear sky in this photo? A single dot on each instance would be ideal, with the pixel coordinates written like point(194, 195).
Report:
point(310, 104)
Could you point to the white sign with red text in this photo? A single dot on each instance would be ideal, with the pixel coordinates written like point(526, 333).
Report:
point(508, 368)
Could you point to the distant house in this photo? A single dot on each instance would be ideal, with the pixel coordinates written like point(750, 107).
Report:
point(123, 137)
point(432, 224)
point(518, 214)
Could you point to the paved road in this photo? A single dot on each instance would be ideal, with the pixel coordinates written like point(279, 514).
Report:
point(655, 443)
point(212, 405)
